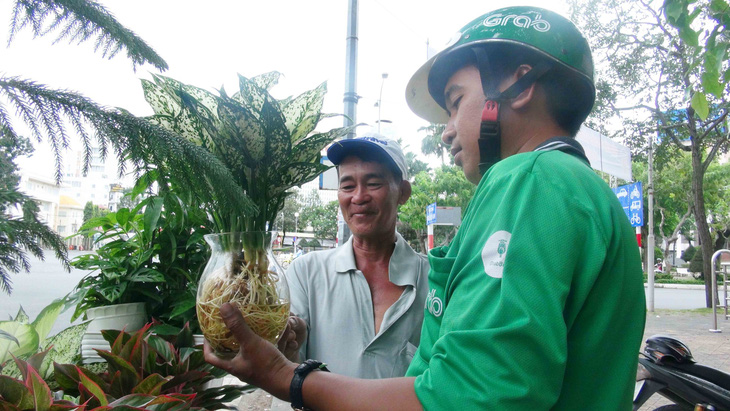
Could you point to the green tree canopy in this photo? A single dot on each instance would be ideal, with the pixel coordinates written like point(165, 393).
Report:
point(652, 78)
point(447, 187)
point(26, 233)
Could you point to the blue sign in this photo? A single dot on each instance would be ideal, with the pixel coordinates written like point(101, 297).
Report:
point(430, 214)
point(631, 199)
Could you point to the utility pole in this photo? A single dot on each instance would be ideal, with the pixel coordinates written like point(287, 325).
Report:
point(380, 98)
point(650, 228)
point(350, 99)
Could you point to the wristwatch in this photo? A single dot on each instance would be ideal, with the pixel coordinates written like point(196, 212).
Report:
point(300, 373)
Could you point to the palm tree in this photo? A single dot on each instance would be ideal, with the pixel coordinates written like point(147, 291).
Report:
point(431, 143)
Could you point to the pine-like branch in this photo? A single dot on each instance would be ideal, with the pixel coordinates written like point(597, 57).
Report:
point(79, 21)
point(146, 145)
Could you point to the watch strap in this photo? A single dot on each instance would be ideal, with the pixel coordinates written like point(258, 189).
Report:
point(300, 373)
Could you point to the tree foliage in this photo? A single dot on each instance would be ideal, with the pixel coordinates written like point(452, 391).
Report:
point(447, 186)
point(27, 232)
point(648, 73)
point(80, 21)
point(431, 144)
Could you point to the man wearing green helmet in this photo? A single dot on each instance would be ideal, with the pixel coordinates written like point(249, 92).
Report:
point(538, 302)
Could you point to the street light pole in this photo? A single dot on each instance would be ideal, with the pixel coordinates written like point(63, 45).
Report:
point(296, 222)
point(380, 98)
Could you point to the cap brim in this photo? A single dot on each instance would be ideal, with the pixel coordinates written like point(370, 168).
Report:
point(343, 148)
point(419, 99)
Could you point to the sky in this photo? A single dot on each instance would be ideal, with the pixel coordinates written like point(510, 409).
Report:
point(207, 44)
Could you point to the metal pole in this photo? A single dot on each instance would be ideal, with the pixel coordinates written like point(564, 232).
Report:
point(650, 237)
point(350, 99)
point(380, 98)
point(714, 328)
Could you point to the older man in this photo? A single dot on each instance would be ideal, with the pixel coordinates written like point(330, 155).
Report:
point(362, 302)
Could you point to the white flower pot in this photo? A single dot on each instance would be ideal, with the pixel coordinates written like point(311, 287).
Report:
point(128, 317)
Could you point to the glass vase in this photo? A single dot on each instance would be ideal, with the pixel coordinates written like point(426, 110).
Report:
point(243, 271)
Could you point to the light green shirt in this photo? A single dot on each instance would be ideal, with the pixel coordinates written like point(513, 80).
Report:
point(332, 296)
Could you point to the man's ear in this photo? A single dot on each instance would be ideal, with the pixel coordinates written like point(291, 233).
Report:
point(405, 192)
point(527, 95)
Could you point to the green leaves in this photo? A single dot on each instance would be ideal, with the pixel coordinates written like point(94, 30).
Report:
point(265, 143)
point(150, 371)
point(700, 104)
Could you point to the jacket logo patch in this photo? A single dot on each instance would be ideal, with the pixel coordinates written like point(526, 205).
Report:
point(495, 252)
point(434, 304)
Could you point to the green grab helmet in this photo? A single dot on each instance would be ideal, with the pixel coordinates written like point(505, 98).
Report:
point(541, 30)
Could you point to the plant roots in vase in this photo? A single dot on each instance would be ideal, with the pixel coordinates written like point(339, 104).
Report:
point(242, 271)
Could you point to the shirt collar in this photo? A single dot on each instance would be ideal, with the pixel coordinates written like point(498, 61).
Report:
point(402, 269)
point(566, 145)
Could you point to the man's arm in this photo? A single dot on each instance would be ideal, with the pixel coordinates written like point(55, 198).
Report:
point(261, 364)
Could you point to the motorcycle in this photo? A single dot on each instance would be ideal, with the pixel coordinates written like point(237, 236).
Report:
point(666, 367)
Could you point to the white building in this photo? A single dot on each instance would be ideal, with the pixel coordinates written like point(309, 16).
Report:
point(45, 192)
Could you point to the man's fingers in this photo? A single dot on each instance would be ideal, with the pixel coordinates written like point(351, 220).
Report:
point(298, 325)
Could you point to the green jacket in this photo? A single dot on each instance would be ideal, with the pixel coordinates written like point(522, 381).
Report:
point(538, 302)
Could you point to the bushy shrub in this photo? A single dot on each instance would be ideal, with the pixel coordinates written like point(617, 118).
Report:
point(689, 253)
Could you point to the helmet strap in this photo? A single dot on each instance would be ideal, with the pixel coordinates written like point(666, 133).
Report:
point(490, 133)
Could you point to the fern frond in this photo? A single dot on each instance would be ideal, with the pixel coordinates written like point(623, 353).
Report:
point(80, 21)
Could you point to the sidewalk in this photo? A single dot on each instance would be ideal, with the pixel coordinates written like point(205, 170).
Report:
point(691, 327)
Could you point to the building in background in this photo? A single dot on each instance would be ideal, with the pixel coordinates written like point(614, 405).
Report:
point(45, 192)
point(69, 220)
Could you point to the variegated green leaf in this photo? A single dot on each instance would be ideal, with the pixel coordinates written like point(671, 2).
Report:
point(187, 110)
point(64, 347)
point(309, 149)
point(267, 80)
point(161, 102)
point(250, 94)
point(243, 134)
point(295, 175)
point(302, 112)
point(278, 143)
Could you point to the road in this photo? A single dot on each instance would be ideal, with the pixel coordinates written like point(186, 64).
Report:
point(48, 281)
point(677, 299)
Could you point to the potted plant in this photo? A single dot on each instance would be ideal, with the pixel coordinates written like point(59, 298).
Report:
point(269, 146)
point(22, 339)
point(123, 278)
point(142, 371)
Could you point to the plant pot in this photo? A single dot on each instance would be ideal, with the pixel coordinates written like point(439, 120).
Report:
point(129, 317)
point(243, 271)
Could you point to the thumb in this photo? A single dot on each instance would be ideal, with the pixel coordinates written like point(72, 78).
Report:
point(231, 315)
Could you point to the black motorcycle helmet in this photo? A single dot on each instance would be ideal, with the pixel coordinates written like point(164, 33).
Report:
point(661, 348)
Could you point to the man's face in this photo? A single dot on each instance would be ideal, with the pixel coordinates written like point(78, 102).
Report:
point(369, 197)
point(464, 104)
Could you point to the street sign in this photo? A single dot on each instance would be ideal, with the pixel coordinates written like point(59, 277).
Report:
point(631, 198)
point(430, 214)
